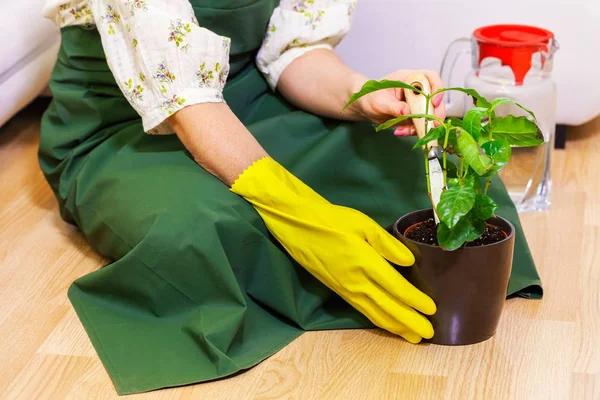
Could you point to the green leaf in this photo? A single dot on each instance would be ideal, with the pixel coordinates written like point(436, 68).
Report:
point(452, 147)
point(475, 228)
point(484, 207)
point(433, 134)
point(453, 182)
point(455, 121)
point(517, 131)
point(468, 229)
point(505, 100)
point(500, 151)
point(485, 136)
point(471, 178)
point(396, 121)
point(452, 239)
point(482, 102)
point(474, 155)
point(451, 170)
point(479, 100)
point(455, 202)
point(472, 121)
point(373, 86)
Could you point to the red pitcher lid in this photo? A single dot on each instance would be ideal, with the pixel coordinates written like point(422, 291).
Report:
point(513, 35)
point(513, 45)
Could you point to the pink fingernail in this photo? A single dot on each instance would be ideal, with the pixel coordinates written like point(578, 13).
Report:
point(401, 132)
point(438, 100)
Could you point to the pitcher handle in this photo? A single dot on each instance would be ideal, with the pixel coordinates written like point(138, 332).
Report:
point(454, 108)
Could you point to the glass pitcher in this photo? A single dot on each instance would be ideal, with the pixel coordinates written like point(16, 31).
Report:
point(513, 61)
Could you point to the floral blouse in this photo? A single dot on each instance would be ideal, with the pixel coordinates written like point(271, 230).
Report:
point(163, 59)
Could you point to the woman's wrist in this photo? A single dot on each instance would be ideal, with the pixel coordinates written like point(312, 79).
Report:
point(321, 83)
point(217, 139)
point(359, 109)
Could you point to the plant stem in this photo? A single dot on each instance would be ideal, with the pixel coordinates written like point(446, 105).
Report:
point(488, 182)
point(444, 155)
point(490, 125)
point(445, 174)
point(425, 152)
point(427, 173)
point(446, 136)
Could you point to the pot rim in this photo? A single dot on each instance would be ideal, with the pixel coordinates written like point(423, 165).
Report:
point(508, 237)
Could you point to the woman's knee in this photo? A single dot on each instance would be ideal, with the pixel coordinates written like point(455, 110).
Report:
point(183, 222)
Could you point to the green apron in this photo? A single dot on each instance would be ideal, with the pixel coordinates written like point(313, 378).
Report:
point(198, 289)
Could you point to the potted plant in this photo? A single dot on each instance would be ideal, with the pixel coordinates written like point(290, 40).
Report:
point(464, 261)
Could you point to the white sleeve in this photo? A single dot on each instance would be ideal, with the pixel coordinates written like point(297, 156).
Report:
point(69, 12)
point(160, 57)
point(298, 26)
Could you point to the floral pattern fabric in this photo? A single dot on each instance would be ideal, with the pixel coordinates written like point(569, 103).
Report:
point(135, 5)
point(299, 26)
point(75, 13)
point(146, 40)
point(178, 30)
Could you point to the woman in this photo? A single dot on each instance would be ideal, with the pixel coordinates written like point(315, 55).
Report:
point(208, 160)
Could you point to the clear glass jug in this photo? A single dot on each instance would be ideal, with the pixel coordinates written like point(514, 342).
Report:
point(513, 61)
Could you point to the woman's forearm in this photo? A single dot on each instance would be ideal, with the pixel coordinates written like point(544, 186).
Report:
point(321, 83)
point(217, 139)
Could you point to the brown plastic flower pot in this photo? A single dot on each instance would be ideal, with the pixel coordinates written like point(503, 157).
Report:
point(468, 285)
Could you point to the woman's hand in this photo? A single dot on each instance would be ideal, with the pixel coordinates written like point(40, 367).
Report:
point(383, 105)
point(321, 83)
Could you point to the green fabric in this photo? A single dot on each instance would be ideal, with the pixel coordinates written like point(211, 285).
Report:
point(198, 289)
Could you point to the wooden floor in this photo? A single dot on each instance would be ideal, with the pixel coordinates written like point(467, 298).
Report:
point(548, 349)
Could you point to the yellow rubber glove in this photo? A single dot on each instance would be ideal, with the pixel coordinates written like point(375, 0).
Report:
point(341, 247)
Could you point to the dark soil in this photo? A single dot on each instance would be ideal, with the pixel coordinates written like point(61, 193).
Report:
point(491, 235)
point(426, 232)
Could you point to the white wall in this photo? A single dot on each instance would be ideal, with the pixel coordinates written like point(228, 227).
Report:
point(397, 34)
